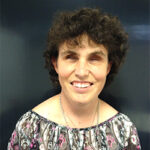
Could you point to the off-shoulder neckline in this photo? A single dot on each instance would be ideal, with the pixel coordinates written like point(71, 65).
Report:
point(63, 126)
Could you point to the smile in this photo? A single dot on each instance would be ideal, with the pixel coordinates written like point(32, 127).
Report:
point(83, 84)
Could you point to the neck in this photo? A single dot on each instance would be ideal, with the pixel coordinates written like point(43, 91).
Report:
point(80, 113)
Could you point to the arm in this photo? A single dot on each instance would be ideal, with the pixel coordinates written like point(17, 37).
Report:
point(13, 143)
point(133, 141)
point(23, 137)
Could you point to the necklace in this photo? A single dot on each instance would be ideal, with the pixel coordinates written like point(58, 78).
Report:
point(64, 116)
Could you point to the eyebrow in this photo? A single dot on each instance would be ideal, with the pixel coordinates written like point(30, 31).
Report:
point(68, 52)
point(97, 52)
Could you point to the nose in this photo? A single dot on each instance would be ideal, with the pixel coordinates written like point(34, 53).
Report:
point(81, 69)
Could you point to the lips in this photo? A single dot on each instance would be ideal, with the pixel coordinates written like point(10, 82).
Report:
point(81, 84)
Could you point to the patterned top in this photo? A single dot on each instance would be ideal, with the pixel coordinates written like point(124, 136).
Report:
point(34, 132)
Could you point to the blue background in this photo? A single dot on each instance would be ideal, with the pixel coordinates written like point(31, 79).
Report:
point(24, 82)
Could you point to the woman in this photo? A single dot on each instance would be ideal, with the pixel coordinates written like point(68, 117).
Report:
point(85, 50)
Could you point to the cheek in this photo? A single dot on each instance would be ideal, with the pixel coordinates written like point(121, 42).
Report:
point(64, 71)
point(100, 73)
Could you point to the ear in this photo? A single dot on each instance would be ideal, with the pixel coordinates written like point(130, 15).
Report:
point(54, 62)
point(109, 67)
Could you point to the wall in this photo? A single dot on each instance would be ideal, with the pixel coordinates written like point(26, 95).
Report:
point(24, 82)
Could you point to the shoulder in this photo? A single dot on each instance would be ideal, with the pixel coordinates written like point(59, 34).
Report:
point(121, 125)
point(106, 111)
point(27, 128)
point(49, 109)
point(32, 117)
point(24, 131)
point(125, 131)
point(27, 120)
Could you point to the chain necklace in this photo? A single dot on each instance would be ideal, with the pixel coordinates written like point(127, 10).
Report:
point(64, 116)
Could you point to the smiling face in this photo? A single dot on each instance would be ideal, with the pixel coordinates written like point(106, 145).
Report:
point(82, 70)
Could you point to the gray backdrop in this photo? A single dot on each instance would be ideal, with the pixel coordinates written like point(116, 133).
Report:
point(24, 82)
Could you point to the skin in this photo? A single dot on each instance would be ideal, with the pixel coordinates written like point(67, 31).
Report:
point(84, 64)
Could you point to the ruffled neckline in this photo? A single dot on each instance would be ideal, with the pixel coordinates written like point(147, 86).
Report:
point(63, 126)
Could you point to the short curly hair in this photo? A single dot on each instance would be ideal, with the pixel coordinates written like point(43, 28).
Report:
point(100, 27)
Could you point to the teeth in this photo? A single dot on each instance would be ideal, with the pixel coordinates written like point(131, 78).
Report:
point(81, 85)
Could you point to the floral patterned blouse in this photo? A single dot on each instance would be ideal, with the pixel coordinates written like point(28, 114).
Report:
point(34, 132)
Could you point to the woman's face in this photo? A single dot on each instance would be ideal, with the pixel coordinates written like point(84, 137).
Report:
point(82, 70)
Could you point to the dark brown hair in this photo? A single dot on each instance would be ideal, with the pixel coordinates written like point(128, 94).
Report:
point(101, 28)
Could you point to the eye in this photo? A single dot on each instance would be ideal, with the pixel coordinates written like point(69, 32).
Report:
point(71, 57)
point(95, 58)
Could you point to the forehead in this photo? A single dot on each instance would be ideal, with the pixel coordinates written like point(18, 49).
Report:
point(81, 42)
